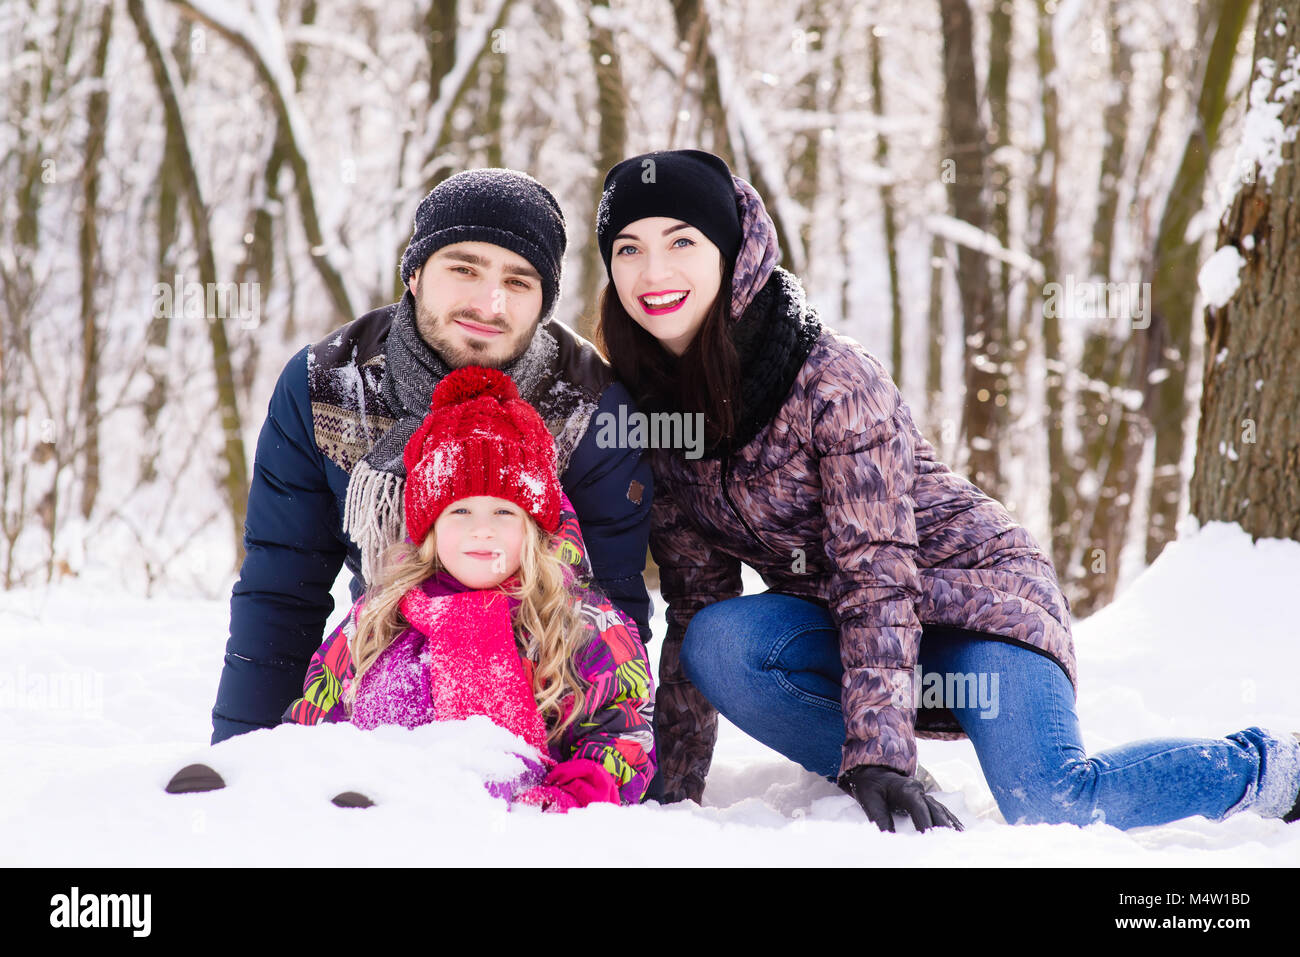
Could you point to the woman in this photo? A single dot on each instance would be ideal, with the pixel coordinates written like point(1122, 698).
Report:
point(878, 558)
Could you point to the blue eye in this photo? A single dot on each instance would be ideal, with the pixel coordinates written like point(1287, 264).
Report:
point(683, 239)
point(622, 249)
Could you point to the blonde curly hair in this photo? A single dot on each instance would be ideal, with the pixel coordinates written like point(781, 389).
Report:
point(548, 626)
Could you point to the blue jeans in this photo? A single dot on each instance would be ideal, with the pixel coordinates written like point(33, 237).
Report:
point(770, 664)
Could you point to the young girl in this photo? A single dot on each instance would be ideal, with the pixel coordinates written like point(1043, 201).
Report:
point(485, 610)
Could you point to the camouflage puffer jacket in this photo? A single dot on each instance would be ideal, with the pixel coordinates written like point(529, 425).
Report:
point(836, 497)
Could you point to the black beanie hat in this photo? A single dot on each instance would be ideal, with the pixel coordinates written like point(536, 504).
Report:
point(691, 185)
point(499, 206)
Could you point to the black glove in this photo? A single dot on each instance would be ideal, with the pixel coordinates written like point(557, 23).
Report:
point(881, 791)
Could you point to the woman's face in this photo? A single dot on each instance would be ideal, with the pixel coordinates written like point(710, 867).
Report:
point(667, 275)
point(479, 539)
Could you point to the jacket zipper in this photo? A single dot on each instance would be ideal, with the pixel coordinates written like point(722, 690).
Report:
point(726, 494)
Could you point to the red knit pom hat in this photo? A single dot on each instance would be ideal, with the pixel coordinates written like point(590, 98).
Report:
point(479, 438)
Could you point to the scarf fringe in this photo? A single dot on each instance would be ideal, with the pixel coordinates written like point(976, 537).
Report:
point(373, 514)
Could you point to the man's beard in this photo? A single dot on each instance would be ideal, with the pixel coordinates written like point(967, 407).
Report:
point(479, 353)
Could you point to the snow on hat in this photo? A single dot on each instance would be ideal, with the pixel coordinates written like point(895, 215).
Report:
point(504, 207)
point(479, 438)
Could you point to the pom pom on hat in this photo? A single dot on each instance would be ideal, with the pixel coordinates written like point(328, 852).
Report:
point(472, 382)
point(479, 438)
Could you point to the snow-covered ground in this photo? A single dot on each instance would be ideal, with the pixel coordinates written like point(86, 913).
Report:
point(103, 696)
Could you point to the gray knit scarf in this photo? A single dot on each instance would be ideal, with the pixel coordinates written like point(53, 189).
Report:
point(373, 513)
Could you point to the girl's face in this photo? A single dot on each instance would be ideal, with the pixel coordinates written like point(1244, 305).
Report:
point(667, 275)
point(479, 539)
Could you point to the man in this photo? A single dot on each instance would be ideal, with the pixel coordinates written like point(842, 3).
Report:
point(482, 272)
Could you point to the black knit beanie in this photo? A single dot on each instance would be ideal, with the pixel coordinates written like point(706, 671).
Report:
point(691, 185)
point(499, 206)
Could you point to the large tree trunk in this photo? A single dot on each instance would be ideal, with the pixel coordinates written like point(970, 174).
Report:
point(1174, 284)
point(1247, 466)
point(986, 392)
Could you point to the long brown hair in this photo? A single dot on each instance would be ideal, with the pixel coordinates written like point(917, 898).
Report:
point(705, 378)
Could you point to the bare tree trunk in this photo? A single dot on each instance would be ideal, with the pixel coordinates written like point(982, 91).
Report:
point(96, 122)
point(1174, 284)
point(842, 215)
point(496, 98)
point(887, 205)
point(1115, 121)
point(934, 360)
point(444, 58)
point(611, 147)
point(1162, 102)
point(999, 174)
point(235, 481)
point(693, 30)
point(169, 195)
point(805, 166)
point(36, 427)
point(440, 37)
point(968, 144)
point(1248, 442)
point(1111, 436)
point(1128, 422)
point(1062, 509)
point(303, 186)
point(261, 254)
point(446, 133)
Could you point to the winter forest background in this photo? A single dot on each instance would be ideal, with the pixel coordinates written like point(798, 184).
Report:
point(1015, 204)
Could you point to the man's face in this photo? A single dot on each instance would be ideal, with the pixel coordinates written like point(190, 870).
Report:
point(477, 304)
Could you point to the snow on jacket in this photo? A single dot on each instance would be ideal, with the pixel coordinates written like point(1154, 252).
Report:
point(458, 657)
point(837, 498)
point(325, 414)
